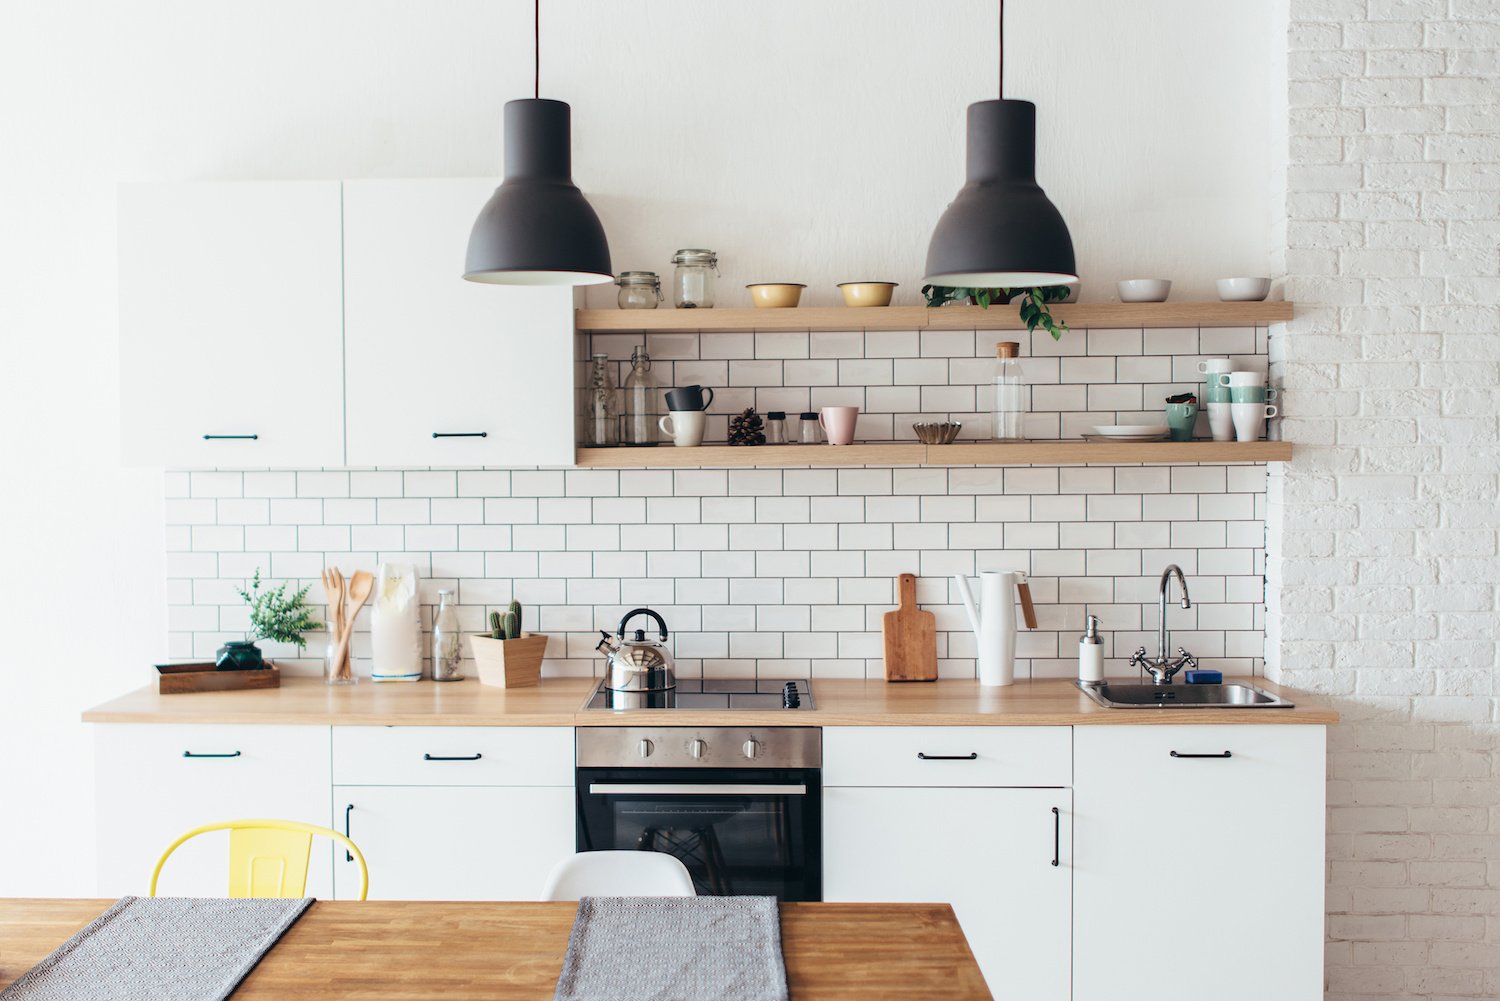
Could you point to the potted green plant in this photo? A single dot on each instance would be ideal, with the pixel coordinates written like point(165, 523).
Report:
point(274, 615)
point(1035, 303)
point(505, 656)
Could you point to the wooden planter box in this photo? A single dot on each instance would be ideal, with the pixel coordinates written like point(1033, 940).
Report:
point(513, 663)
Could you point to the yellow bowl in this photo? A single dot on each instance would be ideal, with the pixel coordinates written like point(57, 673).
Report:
point(776, 295)
point(867, 293)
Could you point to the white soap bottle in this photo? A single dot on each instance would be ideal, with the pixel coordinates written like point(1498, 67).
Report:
point(1091, 654)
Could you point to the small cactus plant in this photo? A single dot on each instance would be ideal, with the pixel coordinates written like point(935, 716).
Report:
point(506, 625)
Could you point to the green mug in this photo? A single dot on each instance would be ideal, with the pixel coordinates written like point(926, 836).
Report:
point(1180, 420)
point(1251, 394)
point(1214, 391)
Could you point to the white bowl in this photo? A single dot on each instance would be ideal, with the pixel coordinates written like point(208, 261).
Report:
point(1243, 289)
point(1144, 290)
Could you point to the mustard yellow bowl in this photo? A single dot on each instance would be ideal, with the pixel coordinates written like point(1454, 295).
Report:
point(775, 295)
point(867, 293)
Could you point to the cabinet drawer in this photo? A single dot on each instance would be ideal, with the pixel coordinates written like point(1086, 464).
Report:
point(453, 755)
point(1187, 753)
point(947, 756)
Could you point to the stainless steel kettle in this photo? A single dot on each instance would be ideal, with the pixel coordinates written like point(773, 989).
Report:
point(638, 664)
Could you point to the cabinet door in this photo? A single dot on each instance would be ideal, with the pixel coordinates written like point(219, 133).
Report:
point(988, 852)
point(1213, 864)
point(453, 842)
point(156, 783)
point(231, 325)
point(485, 368)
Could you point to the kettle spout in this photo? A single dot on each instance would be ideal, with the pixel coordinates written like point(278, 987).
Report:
point(968, 600)
point(608, 644)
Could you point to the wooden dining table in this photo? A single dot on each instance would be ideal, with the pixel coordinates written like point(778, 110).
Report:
point(499, 951)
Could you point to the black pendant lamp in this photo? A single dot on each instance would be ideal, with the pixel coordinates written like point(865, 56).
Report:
point(1001, 231)
point(537, 228)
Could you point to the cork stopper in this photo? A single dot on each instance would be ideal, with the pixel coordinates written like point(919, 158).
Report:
point(1007, 349)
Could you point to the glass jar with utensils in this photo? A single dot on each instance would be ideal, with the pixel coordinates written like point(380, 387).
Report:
point(1249, 402)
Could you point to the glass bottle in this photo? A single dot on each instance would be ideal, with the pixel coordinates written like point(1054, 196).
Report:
point(638, 426)
point(1010, 393)
point(776, 427)
point(602, 409)
point(693, 282)
point(447, 641)
point(810, 432)
point(638, 290)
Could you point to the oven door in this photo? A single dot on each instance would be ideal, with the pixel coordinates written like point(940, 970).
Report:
point(751, 831)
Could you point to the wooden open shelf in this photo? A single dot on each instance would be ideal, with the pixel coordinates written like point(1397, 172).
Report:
point(1027, 453)
point(1081, 315)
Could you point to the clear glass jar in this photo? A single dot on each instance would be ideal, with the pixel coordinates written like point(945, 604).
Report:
point(447, 640)
point(693, 282)
point(338, 668)
point(602, 407)
point(776, 427)
point(638, 425)
point(809, 432)
point(1010, 393)
point(639, 289)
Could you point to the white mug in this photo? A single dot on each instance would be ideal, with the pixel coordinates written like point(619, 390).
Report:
point(685, 427)
point(1250, 419)
point(1211, 365)
point(1220, 420)
point(1242, 379)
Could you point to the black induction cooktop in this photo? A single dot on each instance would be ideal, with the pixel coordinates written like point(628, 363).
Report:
point(711, 693)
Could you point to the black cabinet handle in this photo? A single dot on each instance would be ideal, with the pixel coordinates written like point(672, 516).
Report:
point(347, 810)
point(231, 437)
point(460, 434)
point(191, 754)
point(1226, 754)
point(971, 756)
point(461, 757)
point(1056, 836)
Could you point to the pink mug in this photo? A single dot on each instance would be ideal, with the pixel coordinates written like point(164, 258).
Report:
point(838, 424)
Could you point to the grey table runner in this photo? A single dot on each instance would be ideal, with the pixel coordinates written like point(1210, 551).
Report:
point(161, 949)
point(674, 949)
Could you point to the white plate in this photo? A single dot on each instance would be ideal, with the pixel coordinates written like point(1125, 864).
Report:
point(1130, 430)
point(1126, 437)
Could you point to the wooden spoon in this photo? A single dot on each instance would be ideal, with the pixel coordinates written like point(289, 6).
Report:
point(360, 587)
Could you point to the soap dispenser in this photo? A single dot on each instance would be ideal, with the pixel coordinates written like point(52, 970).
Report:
point(1091, 654)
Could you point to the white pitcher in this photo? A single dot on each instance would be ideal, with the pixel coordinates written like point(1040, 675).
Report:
point(994, 622)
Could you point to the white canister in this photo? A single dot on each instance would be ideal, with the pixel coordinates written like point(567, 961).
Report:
point(395, 625)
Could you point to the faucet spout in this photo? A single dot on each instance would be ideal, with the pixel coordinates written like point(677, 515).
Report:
point(1163, 668)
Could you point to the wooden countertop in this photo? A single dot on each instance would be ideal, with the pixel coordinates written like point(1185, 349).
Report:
point(498, 951)
point(559, 702)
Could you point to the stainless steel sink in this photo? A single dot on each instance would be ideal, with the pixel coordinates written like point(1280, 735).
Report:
point(1138, 696)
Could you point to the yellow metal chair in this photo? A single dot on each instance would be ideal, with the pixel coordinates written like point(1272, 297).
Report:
point(268, 858)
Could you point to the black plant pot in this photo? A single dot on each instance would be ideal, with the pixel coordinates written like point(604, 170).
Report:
point(239, 655)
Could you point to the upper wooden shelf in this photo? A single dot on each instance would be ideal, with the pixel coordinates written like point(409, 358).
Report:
point(1023, 453)
point(1082, 315)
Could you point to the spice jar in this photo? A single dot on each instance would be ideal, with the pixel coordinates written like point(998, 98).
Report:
point(810, 433)
point(639, 289)
point(776, 427)
point(693, 281)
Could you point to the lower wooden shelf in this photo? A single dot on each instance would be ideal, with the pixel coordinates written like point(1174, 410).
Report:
point(1024, 453)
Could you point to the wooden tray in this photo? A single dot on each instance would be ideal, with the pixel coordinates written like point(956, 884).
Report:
point(180, 679)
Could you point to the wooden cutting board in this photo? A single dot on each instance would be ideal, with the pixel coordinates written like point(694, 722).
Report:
point(910, 637)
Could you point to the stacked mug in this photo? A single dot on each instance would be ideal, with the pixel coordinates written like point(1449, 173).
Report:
point(1238, 403)
point(687, 413)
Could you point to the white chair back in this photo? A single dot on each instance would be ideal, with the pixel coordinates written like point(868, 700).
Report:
point(618, 874)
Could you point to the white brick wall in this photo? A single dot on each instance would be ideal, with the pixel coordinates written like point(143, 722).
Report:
point(1382, 533)
point(784, 572)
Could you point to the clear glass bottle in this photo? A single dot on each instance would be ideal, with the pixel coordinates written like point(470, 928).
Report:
point(638, 290)
point(810, 432)
point(1010, 393)
point(447, 641)
point(602, 407)
point(693, 282)
point(638, 426)
point(776, 427)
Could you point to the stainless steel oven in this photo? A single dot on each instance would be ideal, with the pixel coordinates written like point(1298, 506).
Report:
point(740, 806)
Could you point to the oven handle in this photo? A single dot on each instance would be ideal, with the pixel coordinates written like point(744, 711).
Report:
point(611, 788)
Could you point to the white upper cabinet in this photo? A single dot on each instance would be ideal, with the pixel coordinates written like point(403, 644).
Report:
point(442, 371)
point(231, 312)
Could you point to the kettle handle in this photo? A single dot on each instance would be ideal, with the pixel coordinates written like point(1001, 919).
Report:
point(643, 611)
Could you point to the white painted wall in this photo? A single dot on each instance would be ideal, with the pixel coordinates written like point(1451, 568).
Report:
point(810, 141)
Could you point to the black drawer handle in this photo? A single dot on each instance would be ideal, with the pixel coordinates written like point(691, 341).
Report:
point(1056, 836)
point(461, 757)
point(347, 810)
point(191, 754)
point(460, 434)
point(1226, 754)
point(971, 756)
point(231, 437)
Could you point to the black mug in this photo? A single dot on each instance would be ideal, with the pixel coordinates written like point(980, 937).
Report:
point(689, 398)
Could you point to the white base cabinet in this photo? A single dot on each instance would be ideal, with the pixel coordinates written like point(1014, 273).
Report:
point(1198, 863)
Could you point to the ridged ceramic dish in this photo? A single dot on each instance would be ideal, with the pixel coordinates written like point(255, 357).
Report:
point(937, 432)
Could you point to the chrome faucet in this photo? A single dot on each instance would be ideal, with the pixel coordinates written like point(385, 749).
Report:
point(1161, 669)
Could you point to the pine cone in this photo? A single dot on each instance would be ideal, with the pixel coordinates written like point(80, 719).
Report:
point(747, 429)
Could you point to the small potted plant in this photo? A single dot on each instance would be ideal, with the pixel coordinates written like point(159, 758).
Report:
point(274, 615)
point(1035, 303)
point(505, 656)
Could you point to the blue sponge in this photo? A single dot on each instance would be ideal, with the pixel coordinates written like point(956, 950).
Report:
point(1204, 677)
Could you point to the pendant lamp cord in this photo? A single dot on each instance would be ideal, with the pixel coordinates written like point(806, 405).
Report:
point(536, 62)
point(1002, 49)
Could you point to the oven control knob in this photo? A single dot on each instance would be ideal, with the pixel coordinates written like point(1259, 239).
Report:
point(752, 748)
point(646, 747)
point(698, 747)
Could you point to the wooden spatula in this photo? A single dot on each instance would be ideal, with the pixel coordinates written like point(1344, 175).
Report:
point(910, 637)
point(360, 586)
